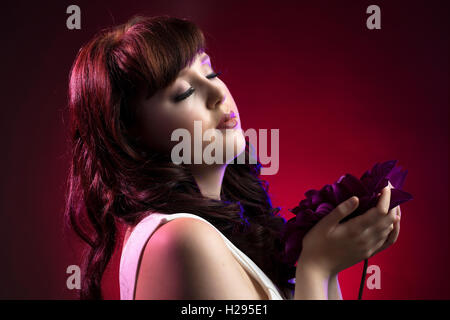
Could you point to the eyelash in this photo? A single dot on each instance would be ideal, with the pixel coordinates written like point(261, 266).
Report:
point(191, 89)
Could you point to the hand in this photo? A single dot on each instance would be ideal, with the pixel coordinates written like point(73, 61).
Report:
point(393, 236)
point(332, 247)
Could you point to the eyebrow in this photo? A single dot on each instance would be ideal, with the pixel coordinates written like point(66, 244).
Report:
point(205, 59)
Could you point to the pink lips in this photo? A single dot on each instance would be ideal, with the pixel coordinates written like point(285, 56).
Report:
point(228, 121)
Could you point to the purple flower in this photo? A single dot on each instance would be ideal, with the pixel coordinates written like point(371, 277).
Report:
point(319, 203)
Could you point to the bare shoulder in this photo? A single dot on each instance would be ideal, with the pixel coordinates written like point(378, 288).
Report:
point(186, 258)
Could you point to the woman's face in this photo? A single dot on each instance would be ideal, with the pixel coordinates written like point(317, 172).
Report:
point(195, 95)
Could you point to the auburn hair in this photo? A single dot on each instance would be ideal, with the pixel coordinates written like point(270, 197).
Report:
point(115, 181)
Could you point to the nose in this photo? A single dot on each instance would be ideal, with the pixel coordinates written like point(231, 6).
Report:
point(216, 96)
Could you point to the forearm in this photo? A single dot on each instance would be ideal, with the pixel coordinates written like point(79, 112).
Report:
point(310, 284)
point(334, 289)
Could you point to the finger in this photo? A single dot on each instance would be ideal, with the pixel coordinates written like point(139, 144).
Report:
point(340, 212)
point(384, 233)
point(397, 225)
point(392, 237)
point(382, 229)
point(396, 230)
point(384, 201)
point(366, 220)
point(373, 215)
point(388, 220)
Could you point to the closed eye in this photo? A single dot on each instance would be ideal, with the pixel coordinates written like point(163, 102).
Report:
point(192, 89)
point(213, 75)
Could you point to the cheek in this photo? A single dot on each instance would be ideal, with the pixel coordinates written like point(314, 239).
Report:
point(195, 120)
point(158, 128)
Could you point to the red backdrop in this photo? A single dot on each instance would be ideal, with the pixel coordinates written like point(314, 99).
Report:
point(342, 96)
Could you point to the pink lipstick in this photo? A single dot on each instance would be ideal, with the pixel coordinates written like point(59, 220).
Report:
point(229, 121)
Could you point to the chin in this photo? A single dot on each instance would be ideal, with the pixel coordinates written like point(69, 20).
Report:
point(238, 142)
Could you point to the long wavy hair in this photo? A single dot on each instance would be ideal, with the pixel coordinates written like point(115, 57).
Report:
point(115, 181)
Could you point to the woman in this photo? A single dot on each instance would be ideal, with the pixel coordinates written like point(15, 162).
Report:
point(131, 87)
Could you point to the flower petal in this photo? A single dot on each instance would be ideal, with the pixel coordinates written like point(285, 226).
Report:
point(319, 203)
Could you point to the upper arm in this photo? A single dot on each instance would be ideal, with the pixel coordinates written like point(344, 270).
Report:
point(187, 259)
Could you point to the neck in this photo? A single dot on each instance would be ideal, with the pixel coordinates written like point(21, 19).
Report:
point(209, 179)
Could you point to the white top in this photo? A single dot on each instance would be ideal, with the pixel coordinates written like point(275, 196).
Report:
point(132, 251)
